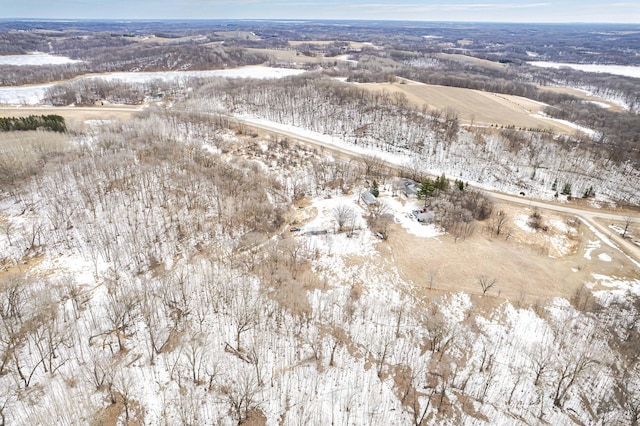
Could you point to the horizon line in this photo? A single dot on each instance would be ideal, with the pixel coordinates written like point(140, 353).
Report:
point(302, 20)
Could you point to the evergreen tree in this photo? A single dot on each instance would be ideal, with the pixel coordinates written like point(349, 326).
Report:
point(427, 188)
point(442, 183)
point(554, 187)
point(566, 189)
point(374, 189)
point(54, 123)
point(589, 193)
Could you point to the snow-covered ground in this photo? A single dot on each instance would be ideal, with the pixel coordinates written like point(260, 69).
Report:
point(403, 215)
point(360, 348)
point(624, 70)
point(23, 95)
point(254, 71)
point(36, 58)
point(33, 94)
point(586, 130)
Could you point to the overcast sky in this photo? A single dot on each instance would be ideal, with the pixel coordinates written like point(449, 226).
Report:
point(624, 11)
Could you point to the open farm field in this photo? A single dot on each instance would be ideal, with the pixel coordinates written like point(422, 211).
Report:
point(583, 94)
point(529, 266)
point(290, 56)
point(350, 44)
point(75, 114)
point(470, 60)
point(475, 106)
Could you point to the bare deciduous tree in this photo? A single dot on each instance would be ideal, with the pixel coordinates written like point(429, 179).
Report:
point(242, 395)
point(344, 216)
point(485, 283)
point(627, 223)
point(373, 166)
point(499, 221)
point(245, 312)
point(432, 276)
point(121, 311)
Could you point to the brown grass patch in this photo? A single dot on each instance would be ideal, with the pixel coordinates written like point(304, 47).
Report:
point(350, 44)
point(292, 56)
point(75, 116)
point(525, 273)
point(473, 106)
point(582, 95)
point(470, 60)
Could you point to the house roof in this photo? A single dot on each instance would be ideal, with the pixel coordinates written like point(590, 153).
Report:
point(368, 198)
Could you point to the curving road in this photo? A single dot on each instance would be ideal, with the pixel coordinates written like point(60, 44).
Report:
point(587, 216)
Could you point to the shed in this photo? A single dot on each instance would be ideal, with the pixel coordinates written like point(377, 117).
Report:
point(409, 187)
point(315, 231)
point(368, 198)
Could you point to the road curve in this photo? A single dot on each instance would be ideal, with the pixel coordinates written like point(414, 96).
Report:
point(588, 216)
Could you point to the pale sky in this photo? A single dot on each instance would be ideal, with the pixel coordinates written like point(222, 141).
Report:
point(426, 10)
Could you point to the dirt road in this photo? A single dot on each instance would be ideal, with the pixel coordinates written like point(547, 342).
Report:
point(587, 216)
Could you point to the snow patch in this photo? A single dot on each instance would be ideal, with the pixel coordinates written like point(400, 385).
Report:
point(37, 59)
point(402, 214)
point(522, 222)
point(590, 132)
point(591, 246)
point(624, 70)
point(604, 257)
point(618, 290)
point(33, 94)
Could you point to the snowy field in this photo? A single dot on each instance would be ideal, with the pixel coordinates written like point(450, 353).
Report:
point(624, 70)
point(36, 58)
point(23, 95)
point(32, 95)
point(254, 71)
point(586, 130)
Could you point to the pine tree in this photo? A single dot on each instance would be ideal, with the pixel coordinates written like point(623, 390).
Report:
point(427, 188)
point(566, 189)
point(554, 187)
point(374, 189)
point(442, 183)
point(589, 193)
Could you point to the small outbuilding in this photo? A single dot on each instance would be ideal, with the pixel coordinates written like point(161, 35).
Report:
point(316, 231)
point(369, 199)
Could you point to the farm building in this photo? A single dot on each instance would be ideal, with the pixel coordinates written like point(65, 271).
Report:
point(407, 187)
point(368, 198)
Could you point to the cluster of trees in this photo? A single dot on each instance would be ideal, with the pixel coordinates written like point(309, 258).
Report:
point(430, 188)
point(512, 159)
point(619, 131)
point(21, 42)
point(16, 76)
point(94, 90)
point(104, 53)
point(456, 208)
point(51, 122)
point(194, 311)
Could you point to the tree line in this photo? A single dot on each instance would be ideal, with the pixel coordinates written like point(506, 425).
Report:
point(51, 122)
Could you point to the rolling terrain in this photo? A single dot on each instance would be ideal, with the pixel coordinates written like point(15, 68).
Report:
point(373, 223)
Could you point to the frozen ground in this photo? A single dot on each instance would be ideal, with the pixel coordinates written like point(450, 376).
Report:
point(36, 58)
point(32, 95)
point(254, 71)
point(628, 71)
point(365, 351)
